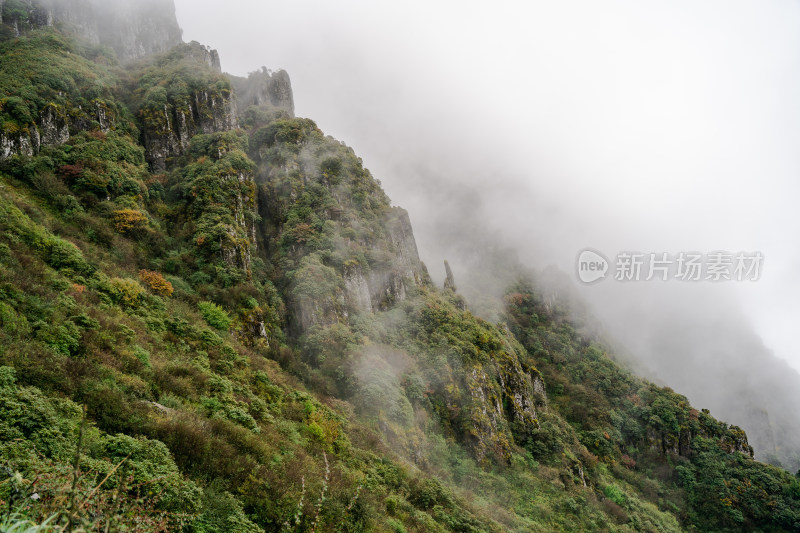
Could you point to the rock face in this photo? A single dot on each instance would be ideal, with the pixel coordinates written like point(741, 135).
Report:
point(132, 28)
point(390, 285)
point(388, 281)
point(521, 389)
point(449, 280)
point(52, 127)
point(172, 116)
point(357, 288)
point(488, 434)
point(221, 195)
point(494, 400)
point(239, 252)
point(168, 130)
point(26, 143)
point(364, 290)
point(265, 88)
point(202, 54)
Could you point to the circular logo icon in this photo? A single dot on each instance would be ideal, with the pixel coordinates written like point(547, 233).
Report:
point(592, 266)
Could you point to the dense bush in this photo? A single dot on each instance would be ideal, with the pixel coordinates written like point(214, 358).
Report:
point(43, 69)
point(625, 419)
point(156, 282)
point(215, 315)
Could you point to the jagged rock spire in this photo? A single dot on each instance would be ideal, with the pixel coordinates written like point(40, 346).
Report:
point(449, 281)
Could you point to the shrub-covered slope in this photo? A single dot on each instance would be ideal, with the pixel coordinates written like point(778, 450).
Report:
point(212, 319)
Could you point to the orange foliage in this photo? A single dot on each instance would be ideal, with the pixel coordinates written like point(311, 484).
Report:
point(156, 282)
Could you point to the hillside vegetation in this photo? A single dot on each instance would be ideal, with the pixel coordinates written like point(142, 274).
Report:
point(213, 320)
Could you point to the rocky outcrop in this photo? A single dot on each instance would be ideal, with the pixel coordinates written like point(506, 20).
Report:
point(357, 288)
point(237, 250)
point(168, 130)
point(449, 280)
point(494, 404)
point(132, 28)
point(388, 281)
point(54, 126)
point(487, 434)
point(15, 143)
point(519, 389)
point(489, 395)
point(171, 116)
point(265, 88)
point(317, 298)
point(401, 236)
point(222, 198)
point(201, 54)
point(680, 440)
point(391, 284)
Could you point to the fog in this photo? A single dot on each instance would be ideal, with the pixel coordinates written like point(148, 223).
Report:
point(549, 127)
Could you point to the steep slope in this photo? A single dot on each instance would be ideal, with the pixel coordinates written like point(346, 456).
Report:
point(213, 310)
point(758, 387)
point(131, 28)
point(704, 465)
point(181, 94)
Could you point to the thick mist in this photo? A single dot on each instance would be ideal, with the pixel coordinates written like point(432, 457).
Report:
point(534, 130)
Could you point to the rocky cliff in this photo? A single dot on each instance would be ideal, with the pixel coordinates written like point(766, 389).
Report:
point(265, 88)
point(327, 224)
point(66, 95)
point(132, 28)
point(180, 94)
point(388, 280)
point(56, 110)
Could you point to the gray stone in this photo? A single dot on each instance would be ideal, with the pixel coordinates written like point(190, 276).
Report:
point(264, 88)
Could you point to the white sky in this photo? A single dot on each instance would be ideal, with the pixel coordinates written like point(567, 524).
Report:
point(620, 125)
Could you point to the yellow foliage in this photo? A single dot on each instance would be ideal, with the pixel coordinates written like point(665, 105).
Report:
point(156, 282)
point(327, 426)
point(127, 220)
point(126, 291)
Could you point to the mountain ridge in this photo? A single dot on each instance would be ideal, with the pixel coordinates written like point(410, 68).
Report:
point(230, 298)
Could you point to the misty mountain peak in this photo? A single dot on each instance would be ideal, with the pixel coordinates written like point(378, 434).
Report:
point(132, 28)
point(265, 88)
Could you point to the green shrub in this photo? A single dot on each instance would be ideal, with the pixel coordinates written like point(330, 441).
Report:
point(126, 291)
point(615, 494)
point(11, 322)
point(223, 513)
point(396, 526)
point(46, 423)
point(215, 316)
point(64, 255)
point(142, 355)
point(62, 338)
point(147, 462)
